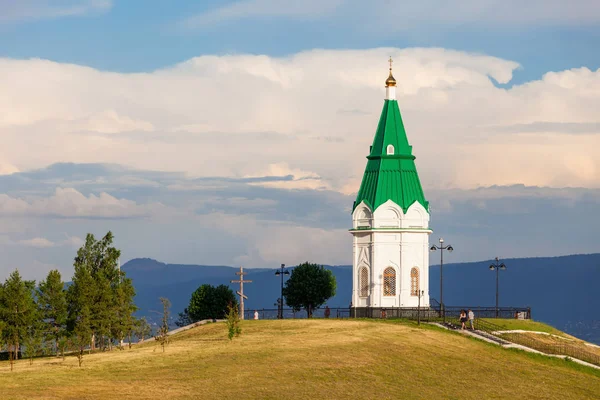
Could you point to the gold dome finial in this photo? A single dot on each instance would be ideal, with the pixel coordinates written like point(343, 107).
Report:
point(390, 81)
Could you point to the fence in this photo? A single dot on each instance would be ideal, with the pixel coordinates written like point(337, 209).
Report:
point(288, 313)
point(425, 314)
point(491, 312)
point(435, 314)
point(563, 348)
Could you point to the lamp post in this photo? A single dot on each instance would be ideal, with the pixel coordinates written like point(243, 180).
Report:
point(421, 293)
point(281, 272)
point(497, 266)
point(441, 248)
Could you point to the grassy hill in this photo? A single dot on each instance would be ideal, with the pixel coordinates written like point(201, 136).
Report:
point(558, 289)
point(307, 359)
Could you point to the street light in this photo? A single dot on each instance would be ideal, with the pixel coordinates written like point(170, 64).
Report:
point(497, 266)
point(421, 293)
point(441, 247)
point(281, 272)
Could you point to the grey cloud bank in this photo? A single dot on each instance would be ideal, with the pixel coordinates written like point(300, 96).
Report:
point(229, 221)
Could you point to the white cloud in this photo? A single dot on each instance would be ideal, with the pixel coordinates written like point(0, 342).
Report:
point(69, 203)
point(37, 242)
point(405, 15)
point(234, 116)
point(25, 10)
point(295, 178)
point(107, 121)
point(7, 169)
point(41, 242)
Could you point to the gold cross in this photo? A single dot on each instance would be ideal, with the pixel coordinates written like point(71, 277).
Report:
point(391, 61)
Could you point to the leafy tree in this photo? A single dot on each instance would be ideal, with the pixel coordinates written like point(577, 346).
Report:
point(184, 318)
point(52, 303)
point(18, 311)
point(233, 321)
point(209, 302)
point(309, 287)
point(142, 328)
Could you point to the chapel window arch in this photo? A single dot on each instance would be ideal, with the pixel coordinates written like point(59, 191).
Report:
point(390, 150)
point(389, 282)
point(414, 282)
point(363, 282)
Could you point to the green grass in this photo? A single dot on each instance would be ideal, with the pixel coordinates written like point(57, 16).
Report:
point(525, 325)
point(300, 359)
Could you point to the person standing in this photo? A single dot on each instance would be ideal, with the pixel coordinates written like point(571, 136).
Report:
point(471, 319)
point(327, 312)
point(255, 314)
point(463, 318)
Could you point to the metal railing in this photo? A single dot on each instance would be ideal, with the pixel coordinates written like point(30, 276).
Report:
point(288, 313)
point(432, 313)
point(490, 312)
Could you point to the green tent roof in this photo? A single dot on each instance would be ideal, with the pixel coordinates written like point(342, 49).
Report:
point(391, 177)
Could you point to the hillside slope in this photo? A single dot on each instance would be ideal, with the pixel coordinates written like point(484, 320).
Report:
point(559, 289)
point(300, 359)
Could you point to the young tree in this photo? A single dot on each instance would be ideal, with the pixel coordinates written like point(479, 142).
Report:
point(233, 321)
point(82, 333)
point(52, 303)
point(18, 311)
point(34, 339)
point(309, 287)
point(163, 332)
point(63, 343)
point(209, 302)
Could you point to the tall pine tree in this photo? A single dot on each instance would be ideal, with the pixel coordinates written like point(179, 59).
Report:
point(107, 295)
point(18, 311)
point(52, 303)
point(79, 300)
point(124, 321)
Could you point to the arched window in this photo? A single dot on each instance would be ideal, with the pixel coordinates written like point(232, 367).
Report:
point(389, 282)
point(390, 150)
point(414, 282)
point(363, 282)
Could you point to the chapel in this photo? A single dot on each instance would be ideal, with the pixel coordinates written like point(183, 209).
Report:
point(390, 220)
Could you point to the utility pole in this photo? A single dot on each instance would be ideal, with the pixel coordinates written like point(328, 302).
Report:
point(241, 281)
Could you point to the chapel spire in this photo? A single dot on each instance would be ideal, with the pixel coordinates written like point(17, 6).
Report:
point(390, 84)
point(391, 173)
point(390, 81)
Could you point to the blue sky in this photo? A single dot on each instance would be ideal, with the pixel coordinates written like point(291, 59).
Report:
point(223, 132)
point(143, 35)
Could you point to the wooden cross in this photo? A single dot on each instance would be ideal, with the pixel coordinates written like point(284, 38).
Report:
point(241, 281)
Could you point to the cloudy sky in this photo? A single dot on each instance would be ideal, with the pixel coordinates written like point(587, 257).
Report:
point(235, 132)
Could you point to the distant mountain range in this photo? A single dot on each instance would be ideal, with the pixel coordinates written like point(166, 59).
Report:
point(561, 291)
